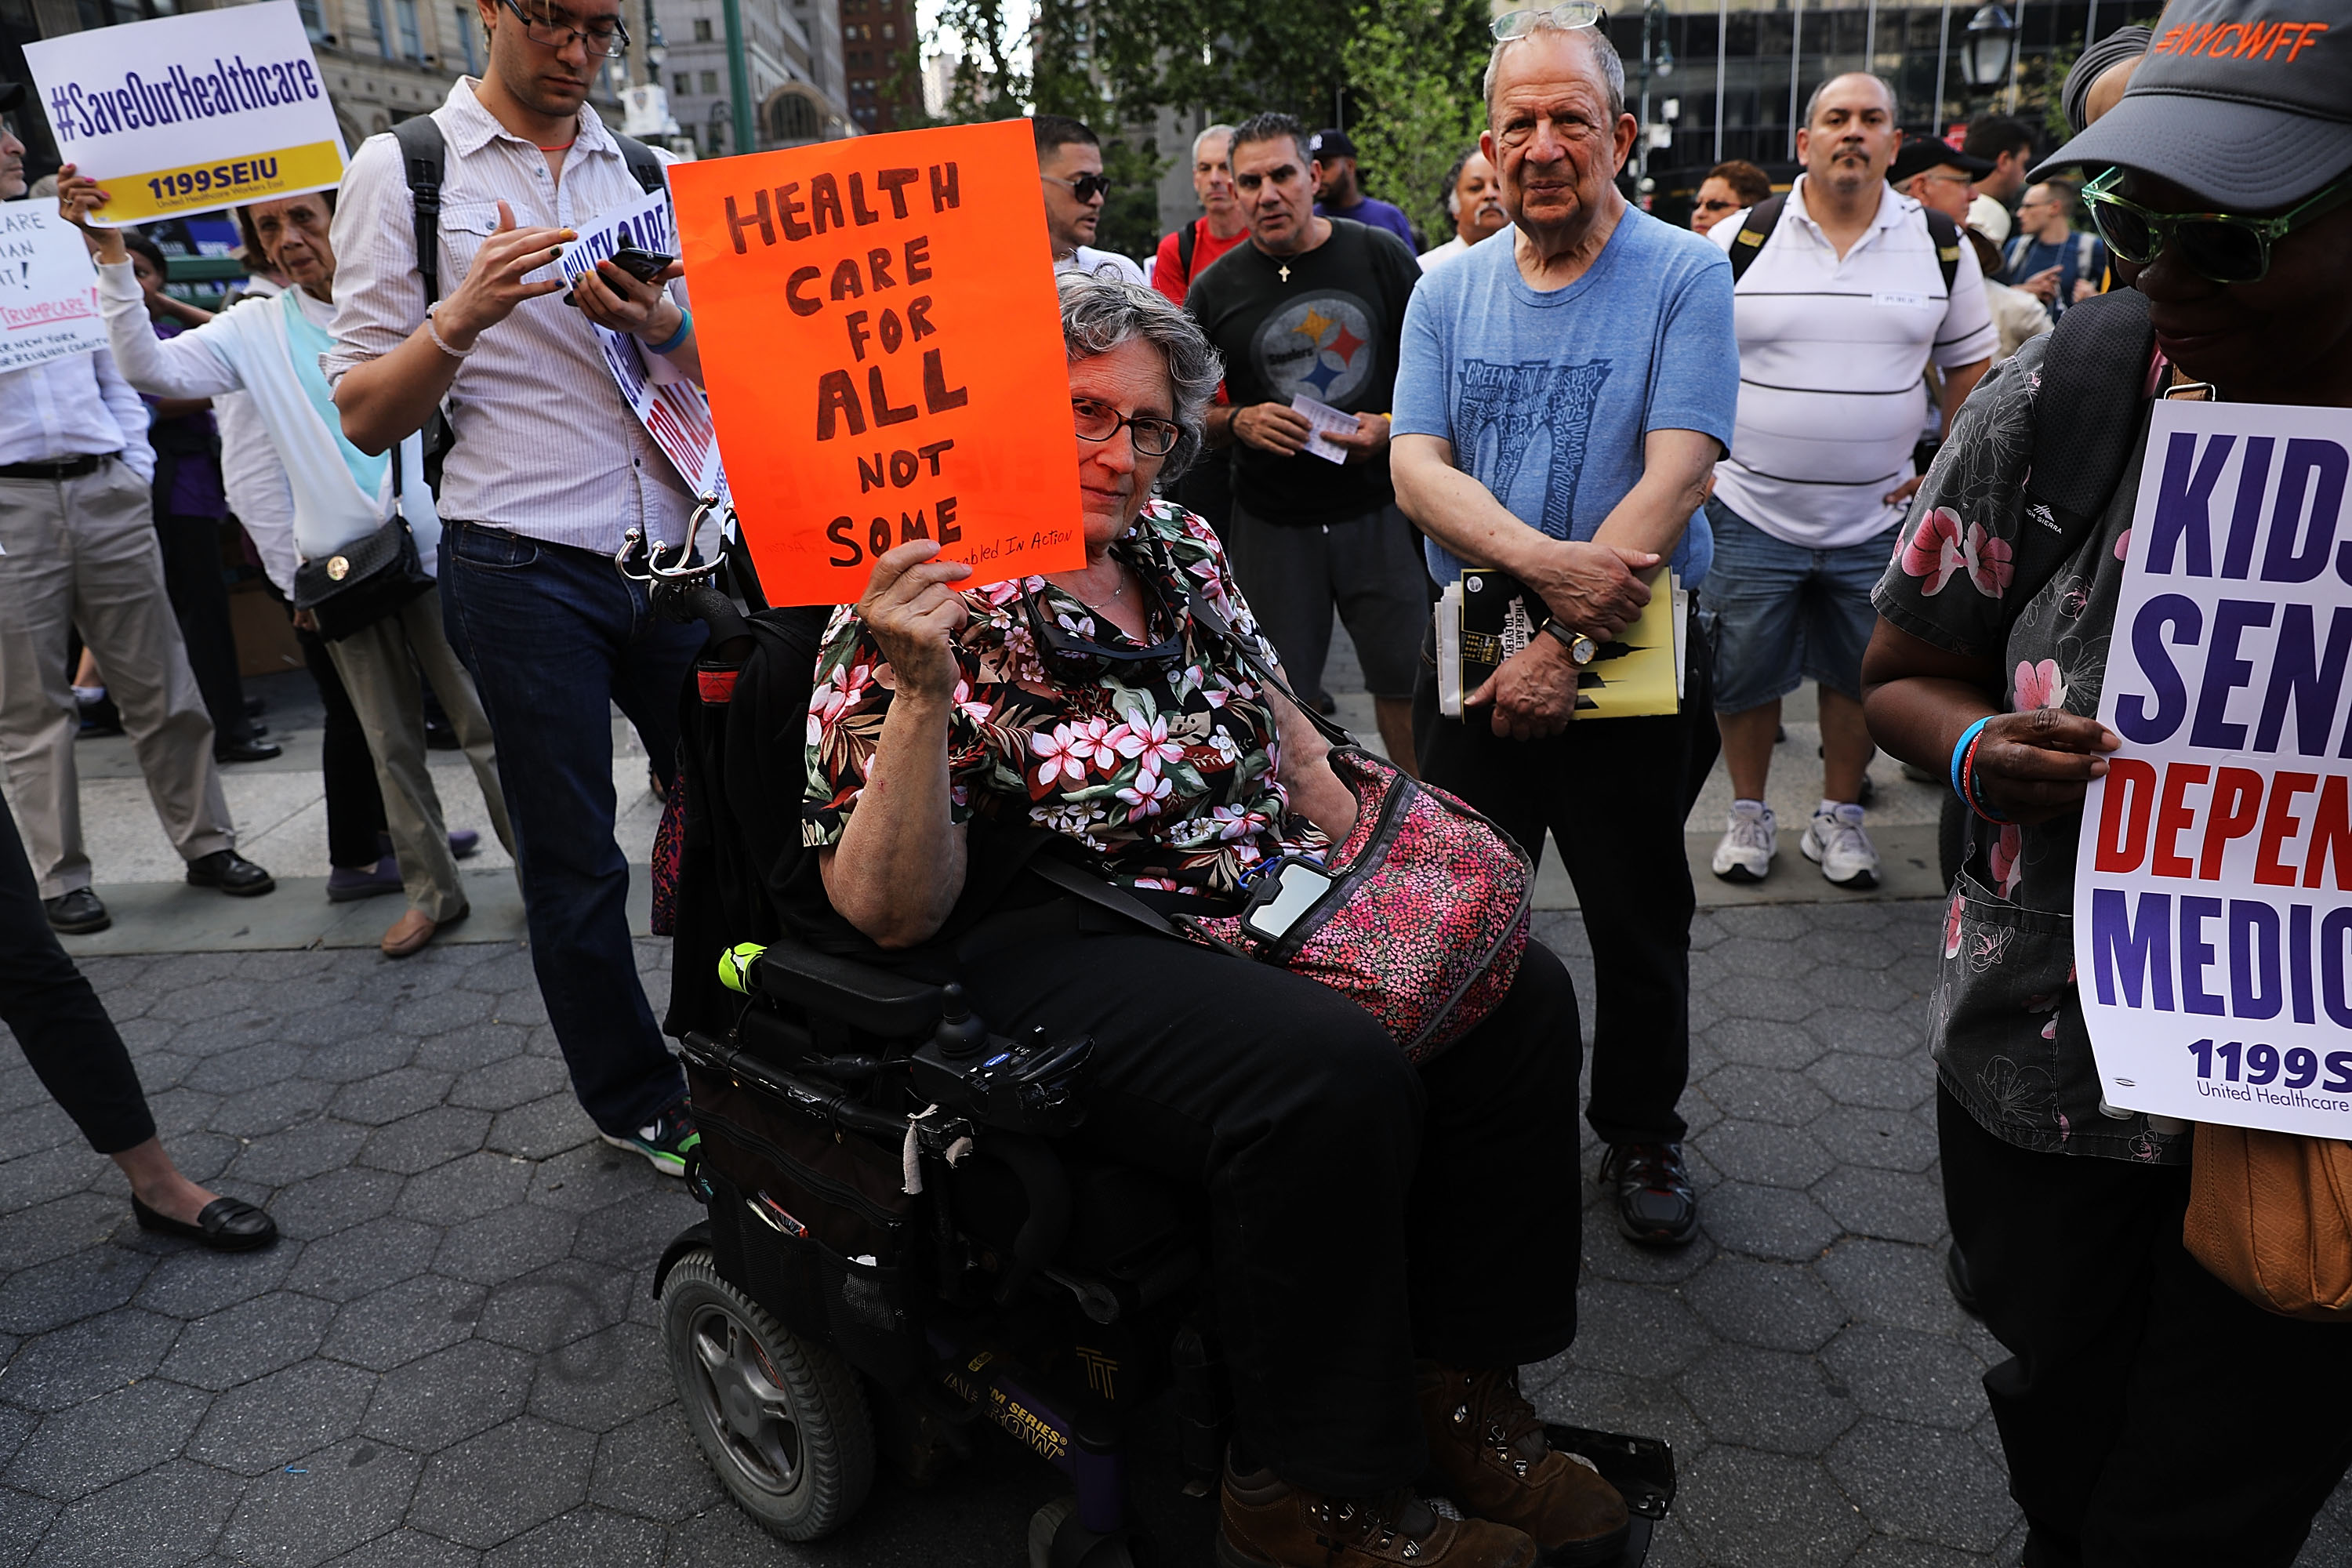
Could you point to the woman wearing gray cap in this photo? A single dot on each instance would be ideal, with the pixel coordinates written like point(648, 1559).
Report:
point(2149, 1414)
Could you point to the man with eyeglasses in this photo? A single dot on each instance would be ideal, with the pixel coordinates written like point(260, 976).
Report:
point(1936, 175)
point(549, 470)
point(1070, 171)
point(1730, 185)
point(2049, 259)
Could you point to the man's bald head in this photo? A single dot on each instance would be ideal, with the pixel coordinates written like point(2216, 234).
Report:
point(1544, 41)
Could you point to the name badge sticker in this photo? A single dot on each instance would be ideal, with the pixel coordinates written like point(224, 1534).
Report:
point(1885, 298)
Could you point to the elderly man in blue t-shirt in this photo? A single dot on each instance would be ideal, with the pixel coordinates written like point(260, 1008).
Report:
point(1564, 391)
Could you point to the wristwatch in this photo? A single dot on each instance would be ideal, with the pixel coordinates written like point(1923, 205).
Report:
point(1581, 649)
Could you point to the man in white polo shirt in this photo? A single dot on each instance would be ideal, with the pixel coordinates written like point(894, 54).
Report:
point(1845, 294)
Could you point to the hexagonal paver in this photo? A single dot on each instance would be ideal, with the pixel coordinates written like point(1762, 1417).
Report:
point(248, 1068)
point(83, 1284)
point(463, 1189)
point(329, 1502)
point(1894, 1206)
point(275, 1420)
point(272, 1108)
point(1902, 1084)
point(556, 1305)
point(1893, 1284)
point(368, 1257)
point(603, 1381)
point(353, 1044)
point(1759, 996)
point(588, 1177)
point(166, 1517)
point(52, 1230)
point(107, 1439)
point(1767, 1222)
point(585, 1535)
point(1906, 1376)
point(311, 1149)
point(1769, 1400)
point(1641, 1331)
point(396, 1326)
point(1752, 1508)
point(407, 1549)
point(1761, 1152)
point(504, 1085)
point(650, 1468)
point(78, 1363)
point(474, 1046)
point(506, 1245)
point(388, 1097)
point(1925, 1484)
point(248, 1341)
point(631, 1233)
point(449, 1396)
point(427, 1139)
point(335, 1200)
point(511, 1479)
point(438, 1012)
point(196, 1281)
point(1764, 1094)
point(42, 1174)
point(1882, 1140)
point(1773, 1306)
point(1760, 1042)
point(542, 1128)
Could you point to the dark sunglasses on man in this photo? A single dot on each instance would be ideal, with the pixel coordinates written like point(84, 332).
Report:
point(1086, 187)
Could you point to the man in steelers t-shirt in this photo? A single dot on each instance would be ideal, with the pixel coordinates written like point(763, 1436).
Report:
point(1314, 306)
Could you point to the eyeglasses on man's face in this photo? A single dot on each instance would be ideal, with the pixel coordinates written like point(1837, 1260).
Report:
point(2223, 248)
point(1086, 187)
point(1100, 422)
point(1718, 205)
point(601, 37)
point(1568, 13)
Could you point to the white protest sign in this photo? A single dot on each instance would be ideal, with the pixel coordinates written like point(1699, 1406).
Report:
point(187, 113)
point(673, 414)
point(48, 289)
point(2213, 885)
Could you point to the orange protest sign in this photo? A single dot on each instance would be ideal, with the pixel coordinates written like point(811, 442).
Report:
point(882, 345)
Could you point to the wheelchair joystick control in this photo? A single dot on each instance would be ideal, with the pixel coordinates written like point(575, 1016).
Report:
point(960, 1034)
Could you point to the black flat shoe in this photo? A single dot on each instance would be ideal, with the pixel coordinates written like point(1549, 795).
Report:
point(226, 1225)
point(1956, 1280)
point(245, 751)
point(232, 873)
point(1657, 1204)
point(77, 913)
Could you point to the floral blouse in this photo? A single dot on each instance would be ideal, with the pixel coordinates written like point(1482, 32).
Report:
point(2005, 1022)
point(1164, 769)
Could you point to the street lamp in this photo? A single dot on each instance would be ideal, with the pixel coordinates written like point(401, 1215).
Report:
point(1991, 39)
point(656, 47)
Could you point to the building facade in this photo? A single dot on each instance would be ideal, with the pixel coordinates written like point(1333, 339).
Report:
point(878, 45)
point(792, 58)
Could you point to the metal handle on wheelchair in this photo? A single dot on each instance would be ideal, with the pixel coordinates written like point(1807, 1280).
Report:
point(634, 544)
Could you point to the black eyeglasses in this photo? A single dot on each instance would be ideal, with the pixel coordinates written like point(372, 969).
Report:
point(1086, 187)
point(605, 38)
point(2221, 247)
point(1100, 422)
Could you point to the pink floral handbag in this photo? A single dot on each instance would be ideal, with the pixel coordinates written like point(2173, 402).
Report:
point(1426, 919)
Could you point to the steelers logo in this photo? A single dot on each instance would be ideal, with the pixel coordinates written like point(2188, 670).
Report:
point(1320, 345)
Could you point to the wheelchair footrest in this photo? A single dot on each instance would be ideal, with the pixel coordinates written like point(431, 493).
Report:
point(1641, 1469)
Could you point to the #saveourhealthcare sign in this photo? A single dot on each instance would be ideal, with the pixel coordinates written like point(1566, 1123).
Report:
point(883, 348)
point(192, 112)
point(2213, 886)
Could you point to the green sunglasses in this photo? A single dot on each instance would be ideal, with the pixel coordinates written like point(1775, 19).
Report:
point(1567, 14)
point(2223, 247)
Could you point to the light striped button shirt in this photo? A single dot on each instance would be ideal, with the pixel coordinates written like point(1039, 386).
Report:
point(545, 447)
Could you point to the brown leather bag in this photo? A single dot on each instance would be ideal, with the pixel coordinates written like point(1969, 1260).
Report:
point(2270, 1215)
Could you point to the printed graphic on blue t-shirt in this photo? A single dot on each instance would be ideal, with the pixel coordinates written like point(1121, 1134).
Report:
point(1546, 397)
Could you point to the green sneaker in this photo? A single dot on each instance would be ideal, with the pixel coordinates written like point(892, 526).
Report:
point(664, 1142)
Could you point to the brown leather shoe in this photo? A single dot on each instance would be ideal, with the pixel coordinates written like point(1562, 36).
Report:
point(1488, 1445)
point(1268, 1523)
point(412, 930)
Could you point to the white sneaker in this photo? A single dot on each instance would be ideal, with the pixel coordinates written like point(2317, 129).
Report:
point(1744, 853)
point(1835, 842)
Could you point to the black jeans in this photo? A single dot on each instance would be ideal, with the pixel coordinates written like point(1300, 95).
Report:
point(1614, 795)
point(192, 577)
point(57, 1017)
point(354, 804)
point(1363, 1212)
point(2150, 1414)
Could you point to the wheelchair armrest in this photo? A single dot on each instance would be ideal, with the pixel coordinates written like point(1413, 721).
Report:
point(858, 994)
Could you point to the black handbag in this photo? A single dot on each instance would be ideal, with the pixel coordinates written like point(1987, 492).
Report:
point(366, 580)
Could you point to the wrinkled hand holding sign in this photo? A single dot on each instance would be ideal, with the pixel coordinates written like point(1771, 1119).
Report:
point(882, 346)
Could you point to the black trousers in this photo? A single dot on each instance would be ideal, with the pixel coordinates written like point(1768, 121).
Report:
point(1614, 795)
point(57, 1017)
point(2150, 1414)
point(192, 577)
point(1363, 1212)
point(354, 804)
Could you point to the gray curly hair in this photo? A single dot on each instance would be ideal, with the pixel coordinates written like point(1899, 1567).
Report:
point(1100, 311)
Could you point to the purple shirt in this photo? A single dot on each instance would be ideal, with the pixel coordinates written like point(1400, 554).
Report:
point(1379, 214)
point(193, 442)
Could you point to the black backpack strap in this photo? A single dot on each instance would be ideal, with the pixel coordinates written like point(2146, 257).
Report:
point(424, 158)
point(1748, 242)
point(645, 163)
point(1946, 235)
point(1186, 237)
point(2087, 419)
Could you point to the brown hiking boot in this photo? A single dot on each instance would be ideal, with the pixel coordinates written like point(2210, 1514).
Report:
point(1488, 1445)
point(1268, 1523)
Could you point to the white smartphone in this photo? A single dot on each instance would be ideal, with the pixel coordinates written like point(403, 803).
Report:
point(1297, 889)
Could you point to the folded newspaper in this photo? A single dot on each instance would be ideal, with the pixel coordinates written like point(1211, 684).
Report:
point(1486, 616)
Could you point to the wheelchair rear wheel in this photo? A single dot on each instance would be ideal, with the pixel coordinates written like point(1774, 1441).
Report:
point(783, 1423)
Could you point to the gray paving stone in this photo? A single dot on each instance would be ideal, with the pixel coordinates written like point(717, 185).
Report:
point(430, 1138)
point(1609, 1255)
point(474, 1046)
point(23, 1520)
point(542, 1128)
point(439, 1012)
point(511, 1479)
point(407, 1549)
point(340, 1497)
point(48, 1230)
point(248, 1068)
point(40, 1175)
point(632, 1233)
point(1850, 1078)
point(272, 1108)
point(1923, 1484)
point(555, 1305)
point(1894, 1206)
point(1747, 1507)
point(1768, 1400)
point(603, 1381)
point(16, 1425)
point(310, 1150)
point(274, 1421)
point(1908, 1377)
point(464, 1188)
point(1772, 1306)
point(166, 1517)
point(1611, 1402)
point(367, 1256)
point(1764, 1094)
point(388, 1097)
point(504, 1085)
point(450, 1396)
point(650, 1468)
point(335, 1202)
point(1756, 996)
point(107, 1439)
point(354, 1044)
point(1758, 1042)
point(396, 1326)
point(586, 1535)
point(588, 1177)
point(1767, 1222)
point(505, 1245)
point(1881, 1139)
point(1639, 1330)
point(50, 1295)
point(1891, 1284)
point(1759, 1152)
point(81, 1361)
point(196, 1281)
point(1867, 1031)
point(248, 1341)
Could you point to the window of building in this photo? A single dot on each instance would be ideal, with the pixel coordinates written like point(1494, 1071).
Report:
point(702, 29)
point(467, 44)
point(311, 22)
point(411, 37)
point(711, 82)
point(890, 31)
point(682, 83)
point(383, 33)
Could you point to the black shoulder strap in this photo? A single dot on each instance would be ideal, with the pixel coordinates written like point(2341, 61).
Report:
point(1946, 235)
point(1748, 242)
point(425, 157)
point(2087, 418)
point(645, 164)
point(1186, 237)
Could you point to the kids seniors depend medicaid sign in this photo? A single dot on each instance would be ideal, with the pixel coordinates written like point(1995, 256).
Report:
point(192, 112)
point(882, 344)
point(2213, 884)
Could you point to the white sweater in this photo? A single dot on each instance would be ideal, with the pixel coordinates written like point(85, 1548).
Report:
point(246, 349)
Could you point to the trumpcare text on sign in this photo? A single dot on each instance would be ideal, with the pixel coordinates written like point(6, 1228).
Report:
point(887, 376)
point(2214, 880)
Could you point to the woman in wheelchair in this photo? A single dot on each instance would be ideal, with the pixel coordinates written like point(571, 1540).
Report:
point(1389, 1242)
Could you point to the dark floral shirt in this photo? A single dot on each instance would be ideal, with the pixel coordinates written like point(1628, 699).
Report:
point(2005, 1022)
point(1163, 769)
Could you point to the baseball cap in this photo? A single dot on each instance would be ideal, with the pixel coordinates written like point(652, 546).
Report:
point(1331, 145)
point(1920, 153)
point(2246, 104)
point(12, 93)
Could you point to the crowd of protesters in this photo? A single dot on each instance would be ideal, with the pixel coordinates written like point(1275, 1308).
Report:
point(1563, 387)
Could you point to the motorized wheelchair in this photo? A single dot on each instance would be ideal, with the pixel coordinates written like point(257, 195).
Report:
point(901, 1243)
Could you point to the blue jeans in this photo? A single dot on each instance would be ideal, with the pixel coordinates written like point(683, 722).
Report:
point(1786, 612)
point(553, 637)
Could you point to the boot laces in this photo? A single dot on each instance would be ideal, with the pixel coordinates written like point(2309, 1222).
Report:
point(1372, 1522)
point(1491, 1401)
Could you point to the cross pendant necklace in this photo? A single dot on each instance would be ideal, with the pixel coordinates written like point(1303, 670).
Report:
point(1285, 272)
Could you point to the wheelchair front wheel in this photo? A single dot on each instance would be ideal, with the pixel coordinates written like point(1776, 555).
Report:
point(782, 1423)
